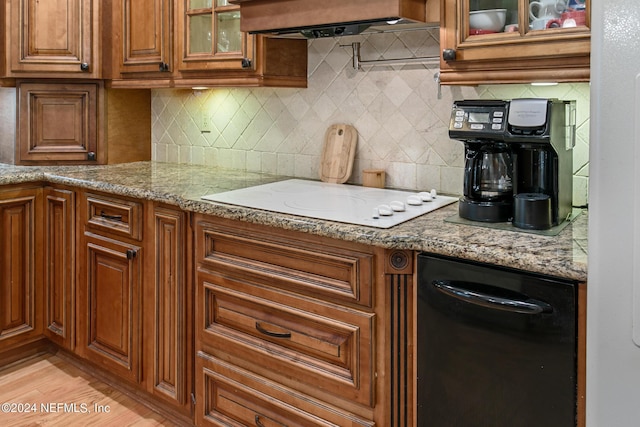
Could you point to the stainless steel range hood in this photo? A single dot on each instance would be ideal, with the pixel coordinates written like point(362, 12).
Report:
point(332, 18)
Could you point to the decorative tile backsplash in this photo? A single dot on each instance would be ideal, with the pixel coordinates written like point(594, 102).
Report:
point(402, 123)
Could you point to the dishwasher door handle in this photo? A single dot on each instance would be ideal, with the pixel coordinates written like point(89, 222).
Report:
point(517, 303)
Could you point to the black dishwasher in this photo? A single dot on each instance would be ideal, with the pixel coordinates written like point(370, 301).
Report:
point(496, 347)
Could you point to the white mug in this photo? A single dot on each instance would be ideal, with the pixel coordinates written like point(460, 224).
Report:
point(540, 23)
point(547, 9)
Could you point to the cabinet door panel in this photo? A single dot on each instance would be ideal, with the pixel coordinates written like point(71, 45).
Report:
point(59, 280)
point(19, 307)
point(57, 122)
point(111, 305)
point(170, 319)
point(147, 27)
point(54, 36)
point(211, 38)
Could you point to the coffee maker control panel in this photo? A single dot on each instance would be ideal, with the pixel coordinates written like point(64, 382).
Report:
point(485, 120)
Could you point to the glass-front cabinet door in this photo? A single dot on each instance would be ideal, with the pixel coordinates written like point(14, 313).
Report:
point(515, 41)
point(211, 37)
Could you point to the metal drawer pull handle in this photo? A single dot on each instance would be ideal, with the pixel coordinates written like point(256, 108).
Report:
point(112, 217)
point(272, 334)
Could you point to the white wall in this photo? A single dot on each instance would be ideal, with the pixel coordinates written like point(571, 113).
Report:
point(7, 125)
point(402, 125)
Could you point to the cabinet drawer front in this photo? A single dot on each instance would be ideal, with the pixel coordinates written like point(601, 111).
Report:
point(114, 215)
point(327, 347)
point(318, 270)
point(233, 396)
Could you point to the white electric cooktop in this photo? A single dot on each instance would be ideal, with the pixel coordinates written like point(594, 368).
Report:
point(346, 203)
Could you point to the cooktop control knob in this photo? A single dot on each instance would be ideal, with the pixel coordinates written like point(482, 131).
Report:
point(397, 206)
point(385, 210)
point(426, 197)
point(414, 200)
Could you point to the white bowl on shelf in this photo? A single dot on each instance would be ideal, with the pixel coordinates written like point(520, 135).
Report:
point(488, 20)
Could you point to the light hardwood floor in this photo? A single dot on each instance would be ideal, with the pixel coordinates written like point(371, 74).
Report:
point(58, 394)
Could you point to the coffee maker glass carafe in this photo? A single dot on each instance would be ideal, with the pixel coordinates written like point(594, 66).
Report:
point(488, 171)
point(488, 182)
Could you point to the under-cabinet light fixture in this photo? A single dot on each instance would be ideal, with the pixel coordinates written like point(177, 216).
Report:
point(197, 90)
point(544, 84)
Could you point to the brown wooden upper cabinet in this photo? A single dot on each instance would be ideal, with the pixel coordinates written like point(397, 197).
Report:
point(211, 37)
point(52, 39)
point(514, 41)
point(187, 43)
point(81, 122)
point(147, 27)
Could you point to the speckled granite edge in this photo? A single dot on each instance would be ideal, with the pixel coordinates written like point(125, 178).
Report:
point(564, 255)
point(20, 177)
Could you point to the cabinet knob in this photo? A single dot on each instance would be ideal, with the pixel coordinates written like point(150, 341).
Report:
point(164, 67)
point(84, 66)
point(91, 156)
point(131, 253)
point(449, 54)
point(246, 63)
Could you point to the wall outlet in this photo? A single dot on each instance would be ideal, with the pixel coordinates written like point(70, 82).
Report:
point(205, 121)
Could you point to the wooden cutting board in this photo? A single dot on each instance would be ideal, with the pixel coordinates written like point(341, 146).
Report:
point(338, 153)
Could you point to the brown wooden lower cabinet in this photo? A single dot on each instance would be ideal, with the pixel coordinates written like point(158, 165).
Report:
point(59, 265)
point(20, 261)
point(110, 280)
point(109, 309)
point(134, 297)
point(290, 329)
point(214, 321)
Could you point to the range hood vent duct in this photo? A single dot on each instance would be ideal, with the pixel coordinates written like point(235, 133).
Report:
point(328, 18)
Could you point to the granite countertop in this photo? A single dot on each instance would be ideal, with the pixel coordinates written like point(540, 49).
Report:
point(564, 255)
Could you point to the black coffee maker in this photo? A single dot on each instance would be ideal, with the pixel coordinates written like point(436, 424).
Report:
point(519, 160)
